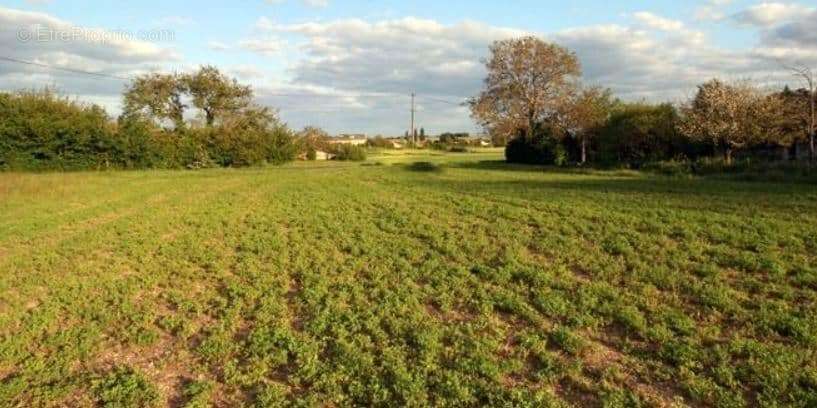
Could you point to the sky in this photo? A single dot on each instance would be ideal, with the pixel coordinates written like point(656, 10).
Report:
point(351, 66)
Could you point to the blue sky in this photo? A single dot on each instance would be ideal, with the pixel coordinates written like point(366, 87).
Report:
point(348, 66)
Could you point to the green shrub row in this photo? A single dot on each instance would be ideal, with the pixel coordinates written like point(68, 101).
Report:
point(40, 130)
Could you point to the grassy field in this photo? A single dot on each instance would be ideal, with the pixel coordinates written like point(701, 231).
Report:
point(464, 283)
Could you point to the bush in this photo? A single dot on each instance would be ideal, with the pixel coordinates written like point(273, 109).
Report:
point(40, 130)
point(640, 133)
point(252, 137)
point(345, 152)
point(543, 150)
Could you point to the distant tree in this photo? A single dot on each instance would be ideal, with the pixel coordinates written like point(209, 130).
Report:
point(732, 116)
point(449, 138)
point(157, 96)
point(528, 80)
point(312, 139)
point(380, 142)
point(809, 104)
point(583, 115)
point(422, 134)
point(215, 94)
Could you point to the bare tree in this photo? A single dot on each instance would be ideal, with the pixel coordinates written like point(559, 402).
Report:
point(584, 113)
point(808, 77)
point(528, 79)
point(732, 116)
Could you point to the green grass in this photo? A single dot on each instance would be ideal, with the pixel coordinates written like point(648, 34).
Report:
point(457, 282)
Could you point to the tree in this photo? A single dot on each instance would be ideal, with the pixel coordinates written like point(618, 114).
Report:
point(528, 79)
point(215, 94)
point(251, 136)
point(158, 96)
point(732, 116)
point(810, 106)
point(584, 113)
point(638, 133)
point(312, 139)
point(422, 134)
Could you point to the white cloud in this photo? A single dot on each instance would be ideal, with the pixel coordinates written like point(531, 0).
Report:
point(712, 10)
point(43, 39)
point(771, 14)
point(268, 47)
point(356, 75)
point(657, 22)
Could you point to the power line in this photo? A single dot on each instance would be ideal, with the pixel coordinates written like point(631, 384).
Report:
point(70, 70)
point(443, 100)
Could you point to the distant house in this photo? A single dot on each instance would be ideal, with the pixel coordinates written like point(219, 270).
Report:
point(319, 155)
point(347, 139)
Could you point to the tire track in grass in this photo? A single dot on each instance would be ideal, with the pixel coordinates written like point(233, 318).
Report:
point(63, 233)
point(46, 214)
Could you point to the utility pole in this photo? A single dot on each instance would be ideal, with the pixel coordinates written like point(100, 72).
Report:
point(413, 133)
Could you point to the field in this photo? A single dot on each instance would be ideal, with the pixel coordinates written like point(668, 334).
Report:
point(458, 282)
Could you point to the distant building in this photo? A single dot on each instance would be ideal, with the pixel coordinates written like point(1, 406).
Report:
point(349, 139)
point(319, 156)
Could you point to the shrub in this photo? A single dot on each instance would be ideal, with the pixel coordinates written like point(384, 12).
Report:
point(139, 145)
point(543, 150)
point(40, 130)
point(344, 152)
point(639, 133)
point(252, 137)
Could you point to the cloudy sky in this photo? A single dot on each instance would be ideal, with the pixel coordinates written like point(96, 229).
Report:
point(350, 66)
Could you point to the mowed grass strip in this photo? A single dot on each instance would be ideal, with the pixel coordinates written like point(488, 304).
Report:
point(458, 282)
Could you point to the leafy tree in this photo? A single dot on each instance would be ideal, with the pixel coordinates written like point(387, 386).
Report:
point(313, 139)
point(528, 81)
point(253, 136)
point(584, 113)
point(158, 96)
point(796, 116)
point(638, 133)
point(808, 109)
point(215, 94)
point(731, 116)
